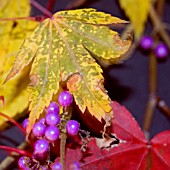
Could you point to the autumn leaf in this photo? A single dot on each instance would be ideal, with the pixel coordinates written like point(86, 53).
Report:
point(12, 35)
point(59, 49)
point(137, 11)
point(131, 150)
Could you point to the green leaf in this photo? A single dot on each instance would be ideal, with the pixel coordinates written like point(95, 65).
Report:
point(90, 16)
point(137, 11)
point(59, 49)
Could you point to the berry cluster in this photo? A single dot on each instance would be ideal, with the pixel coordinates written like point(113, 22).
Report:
point(160, 50)
point(47, 131)
point(47, 127)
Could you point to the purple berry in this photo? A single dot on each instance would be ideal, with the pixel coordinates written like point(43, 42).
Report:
point(41, 149)
point(38, 129)
point(24, 162)
point(52, 133)
point(161, 51)
point(56, 166)
point(52, 119)
point(41, 146)
point(42, 120)
point(25, 123)
point(53, 108)
point(65, 98)
point(146, 42)
point(72, 127)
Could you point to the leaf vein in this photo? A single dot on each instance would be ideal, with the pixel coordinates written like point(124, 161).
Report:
point(74, 59)
point(47, 69)
point(86, 35)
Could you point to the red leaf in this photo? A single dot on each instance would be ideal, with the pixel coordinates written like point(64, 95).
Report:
point(161, 147)
point(125, 126)
point(133, 151)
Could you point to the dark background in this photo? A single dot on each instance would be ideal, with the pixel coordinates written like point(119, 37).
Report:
point(127, 83)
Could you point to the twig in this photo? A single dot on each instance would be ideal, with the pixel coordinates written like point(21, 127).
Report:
point(41, 8)
point(11, 158)
point(75, 4)
point(152, 100)
point(159, 25)
point(163, 107)
point(160, 7)
point(14, 122)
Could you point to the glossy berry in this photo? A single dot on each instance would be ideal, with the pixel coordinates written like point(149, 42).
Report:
point(24, 162)
point(72, 127)
point(39, 129)
point(161, 51)
point(42, 120)
point(146, 42)
point(52, 133)
point(65, 98)
point(56, 166)
point(53, 108)
point(25, 123)
point(41, 149)
point(41, 146)
point(52, 119)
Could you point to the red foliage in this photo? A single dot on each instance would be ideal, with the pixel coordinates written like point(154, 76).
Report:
point(133, 151)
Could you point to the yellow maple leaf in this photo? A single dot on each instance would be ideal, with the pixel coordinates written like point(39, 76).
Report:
point(59, 49)
point(137, 11)
point(12, 35)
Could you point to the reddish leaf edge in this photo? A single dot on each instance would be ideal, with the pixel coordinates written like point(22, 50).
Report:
point(95, 156)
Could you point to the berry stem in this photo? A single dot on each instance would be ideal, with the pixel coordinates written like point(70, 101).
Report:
point(67, 112)
point(152, 99)
point(41, 8)
point(19, 151)
point(14, 122)
point(63, 138)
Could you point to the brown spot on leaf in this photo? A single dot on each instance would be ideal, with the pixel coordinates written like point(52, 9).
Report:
point(72, 83)
point(33, 80)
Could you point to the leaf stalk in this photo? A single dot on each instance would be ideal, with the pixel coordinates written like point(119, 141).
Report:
point(19, 151)
point(14, 122)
